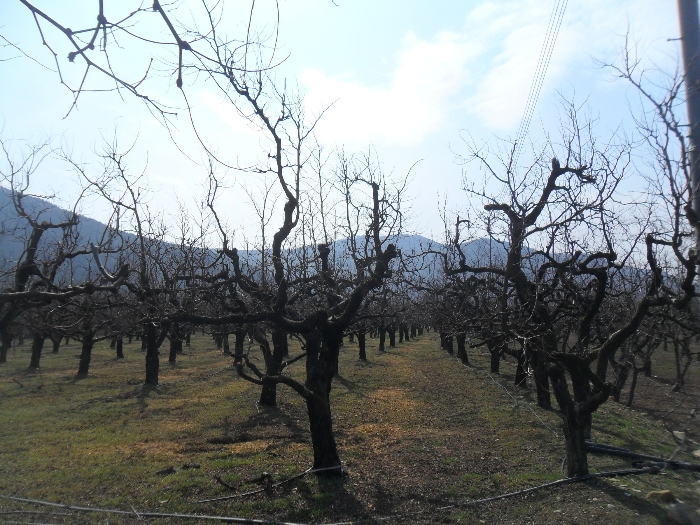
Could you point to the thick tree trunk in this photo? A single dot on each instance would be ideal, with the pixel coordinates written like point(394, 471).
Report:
point(544, 399)
point(238, 348)
point(520, 373)
point(382, 338)
point(188, 338)
point(633, 386)
point(321, 364)
point(392, 337)
point(462, 348)
point(574, 428)
point(120, 348)
point(5, 344)
point(85, 355)
point(56, 344)
point(495, 352)
point(175, 348)
point(268, 396)
point(400, 335)
point(420, 330)
point(227, 347)
point(361, 342)
point(450, 344)
point(152, 360)
point(37, 346)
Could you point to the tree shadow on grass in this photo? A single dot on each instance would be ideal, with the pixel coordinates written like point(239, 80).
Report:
point(629, 500)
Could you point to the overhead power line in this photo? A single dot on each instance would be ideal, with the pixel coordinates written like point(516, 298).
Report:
point(550, 40)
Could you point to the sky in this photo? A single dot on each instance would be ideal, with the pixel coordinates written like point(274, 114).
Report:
point(409, 80)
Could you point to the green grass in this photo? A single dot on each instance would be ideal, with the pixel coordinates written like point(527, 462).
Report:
point(414, 427)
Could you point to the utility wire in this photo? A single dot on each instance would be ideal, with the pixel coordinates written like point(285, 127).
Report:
point(550, 40)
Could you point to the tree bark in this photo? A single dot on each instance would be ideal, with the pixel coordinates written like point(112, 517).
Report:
point(152, 360)
point(382, 338)
point(544, 399)
point(462, 348)
point(321, 364)
point(5, 344)
point(520, 373)
point(37, 346)
point(86, 354)
point(120, 348)
point(392, 337)
point(450, 344)
point(361, 342)
point(574, 431)
point(268, 395)
point(238, 348)
point(633, 386)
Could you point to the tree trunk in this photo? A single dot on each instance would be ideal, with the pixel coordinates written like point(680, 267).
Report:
point(544, 399)
point(413, 331)
point(574, 430)
point(85, 355)
point(152, 360)
point(175, 348)
point(238, 349)
point(462, 348)
point(361, 342)
point(633, 386)
point(321, 364)
point(400, 335)
point(56, 344)
point(37, 346)
point(268, 396)
point(406, 335)
point(188, 337)
point(520, 373)
point(382, 338)
point(450, 344)
point(227, 348)
point(5, 344)
point(120, 348)
point(392, 336)
point(495, 352)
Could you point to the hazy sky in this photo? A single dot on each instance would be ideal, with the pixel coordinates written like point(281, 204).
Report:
point(407, 78)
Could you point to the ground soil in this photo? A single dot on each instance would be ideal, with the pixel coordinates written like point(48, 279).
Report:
point(421, 435)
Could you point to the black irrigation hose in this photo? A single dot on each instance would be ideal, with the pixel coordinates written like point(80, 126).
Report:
point(265, 489)
point(140, 515)
point(599, 448)
point(565, 481)
point(251, 521)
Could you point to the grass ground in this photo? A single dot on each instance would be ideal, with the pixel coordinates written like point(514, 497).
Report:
point(415, 429)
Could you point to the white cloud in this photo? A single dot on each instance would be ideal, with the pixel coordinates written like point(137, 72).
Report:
point(590, 30)
point(413, 105)
point(484, 71)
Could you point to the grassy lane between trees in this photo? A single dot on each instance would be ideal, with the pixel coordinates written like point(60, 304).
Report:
point(415, 428)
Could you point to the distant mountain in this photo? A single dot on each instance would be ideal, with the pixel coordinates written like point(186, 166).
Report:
point(15, 230)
